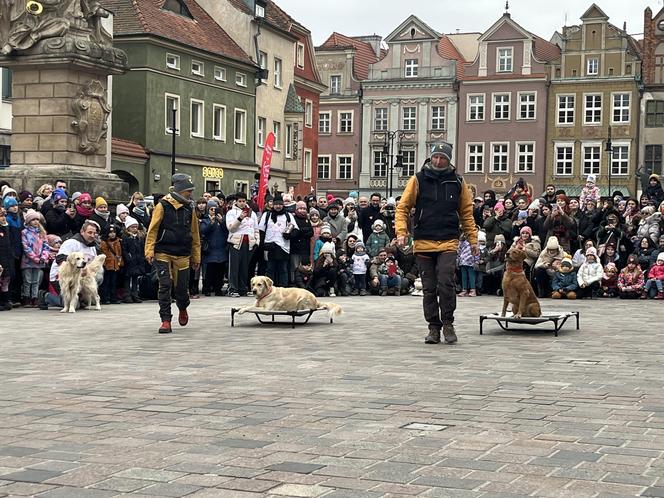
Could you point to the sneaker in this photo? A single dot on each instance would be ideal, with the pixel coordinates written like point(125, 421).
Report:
point(433, 337)
point(353, 292)
point(165, 327)
point(332, 294)
point(449, 334)
point(363, 292)
point(463, 294)
point(136, 299)
point(660, 295)
point(249, 294)
point(472, 293)
point(234, 294)
point(183, 317)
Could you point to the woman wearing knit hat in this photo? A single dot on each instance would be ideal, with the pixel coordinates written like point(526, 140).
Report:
point(530, 244)
point(546, 266)
point(121, 214)
point(102, 216)
point(84, 210)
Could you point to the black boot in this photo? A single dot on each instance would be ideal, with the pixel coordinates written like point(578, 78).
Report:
point(41, 300)
point(5, 305)
point(449, 334)
point(433, 337)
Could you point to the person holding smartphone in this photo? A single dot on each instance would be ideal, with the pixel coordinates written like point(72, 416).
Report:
point(243, 237)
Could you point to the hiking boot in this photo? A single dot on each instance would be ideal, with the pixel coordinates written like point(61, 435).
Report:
point(165, 327)
point(383, 291)
point(363, 292)
point(571, 295)
point(390, 291)
point(183, 317)
point(449, 334)
point(660, 295)
point(556, 295)
point(433, 337)
point(353, 292)
point(136, 299)
point(397, 291)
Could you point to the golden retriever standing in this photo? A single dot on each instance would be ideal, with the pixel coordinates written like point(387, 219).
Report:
point(89, 287)
point(517, 291)
point(285, 299)
point(72, 283)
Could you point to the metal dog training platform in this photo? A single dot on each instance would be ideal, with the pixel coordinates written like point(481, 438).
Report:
point(272, 314)
point(557, 318)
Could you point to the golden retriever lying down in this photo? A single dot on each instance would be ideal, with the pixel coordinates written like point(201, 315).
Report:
point(73, 283)
point(269, 298)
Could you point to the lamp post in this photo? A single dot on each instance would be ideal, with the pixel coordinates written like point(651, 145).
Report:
point(609, 149)
point(174, 131)
point(388, 152)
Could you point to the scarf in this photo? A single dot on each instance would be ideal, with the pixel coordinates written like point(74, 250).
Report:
point(275, 214)
point(83, 211)
point(182, 200)
point(103, 216)
point(13, 220)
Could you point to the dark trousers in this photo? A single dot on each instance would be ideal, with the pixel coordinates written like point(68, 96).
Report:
point(214, 277)
point(543, 281)
point(108, 287)
point(130, 287)
point(590, 291)
point(277, 270)
point(437, 274)
point(172, 271)
point(360, 281)
point(238, 268)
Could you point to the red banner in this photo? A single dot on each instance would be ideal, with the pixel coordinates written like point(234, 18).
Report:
point(265, 170)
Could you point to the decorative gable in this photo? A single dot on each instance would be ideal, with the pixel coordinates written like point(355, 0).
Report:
point(412, 29)
point(594, 13)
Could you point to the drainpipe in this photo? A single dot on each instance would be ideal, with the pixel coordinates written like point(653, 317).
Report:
point(257, 83)
point(637, 176)
point(361, 115)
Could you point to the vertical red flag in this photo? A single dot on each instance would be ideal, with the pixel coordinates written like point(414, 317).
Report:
point(265, 170)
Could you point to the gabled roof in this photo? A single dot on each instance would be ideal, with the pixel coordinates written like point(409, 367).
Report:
point(504, 19)
point(545, 51)
point(273, 14)
point(594, 12)
point(413, 19)
point(147, 17)
point(448, 50)
point(293, 103)
point(364, 52)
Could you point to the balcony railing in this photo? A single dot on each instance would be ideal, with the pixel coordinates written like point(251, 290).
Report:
point(399, 73)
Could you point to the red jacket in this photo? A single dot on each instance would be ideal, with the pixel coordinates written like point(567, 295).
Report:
point(656, 272)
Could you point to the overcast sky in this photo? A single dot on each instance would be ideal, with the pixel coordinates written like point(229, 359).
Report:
point(364, 17)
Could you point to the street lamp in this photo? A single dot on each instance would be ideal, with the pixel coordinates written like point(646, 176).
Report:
point(174, 131)
point(388, 152)
point(609, 149)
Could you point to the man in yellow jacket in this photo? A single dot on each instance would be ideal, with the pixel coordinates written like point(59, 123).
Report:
point(173, 243)
point(442, 202)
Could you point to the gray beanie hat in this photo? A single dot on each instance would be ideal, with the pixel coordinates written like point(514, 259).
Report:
point(442, 148)
point(182, 182)
point(314, 211)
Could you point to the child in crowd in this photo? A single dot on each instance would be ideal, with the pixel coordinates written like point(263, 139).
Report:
point(655, 278)
point(590, 192)
point(6, 261)
point(325, 237)
point(589, 275)
point(496, 264)
point(303, 275)
point(466, 263)
point(378, 239)
point(631, 280)
point(564, 282)
point(389, 276)
point(609, 284)
point(112, 248)
point(344, 274)
point(547, 265)
point(36, 255)
point(133, 248)
point(480, 268)
point(325, 271)
point(361, 262)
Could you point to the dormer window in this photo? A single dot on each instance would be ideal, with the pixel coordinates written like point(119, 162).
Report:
point(505, 60)
point(259, 9)
point(177, 7)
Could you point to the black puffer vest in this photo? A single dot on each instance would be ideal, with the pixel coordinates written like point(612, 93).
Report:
point(174, 237)
point(437, 206)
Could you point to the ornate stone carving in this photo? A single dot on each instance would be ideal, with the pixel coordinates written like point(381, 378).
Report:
point(91, 112)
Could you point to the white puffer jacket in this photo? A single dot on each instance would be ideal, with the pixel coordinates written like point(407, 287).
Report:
point(589, 273)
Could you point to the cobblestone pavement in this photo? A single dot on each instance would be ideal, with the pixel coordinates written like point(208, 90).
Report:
point(98, 404)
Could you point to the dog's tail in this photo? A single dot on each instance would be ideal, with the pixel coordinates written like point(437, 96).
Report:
point(333, 309)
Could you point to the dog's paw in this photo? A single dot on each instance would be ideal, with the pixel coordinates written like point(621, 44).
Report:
point(517, 315)
point(63, 310)
point(72, 310)
point(241, 311)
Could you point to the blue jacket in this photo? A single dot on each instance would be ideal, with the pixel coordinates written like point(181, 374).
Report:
point(214, 237)
point(564, 281)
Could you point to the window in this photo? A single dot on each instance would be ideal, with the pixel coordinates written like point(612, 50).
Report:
point(409, 118)
point(197, 68)
point(592, 67)
point(499, 157)
point(241, 186)
point(411, 68)
point(173, 61)
point(6, 84)
point(197, 118)
point(5, 156)
point(323, 167)
point(335, 84)
point(566, 109)
point(219, 122)
point(379, 164)
point(655, 113)
point(276, 128)
point(620, 159)
point(172, 102)
point(476, 107)
point(620, 108)
point(345, 122)
point(289, 141)
point(527, 105)
point(299, 55)
point(501, 106)
point(380, 119)
point(220, 73)
point(324, 120)
point(504, 60)
point(345, 167)
point(564, 154)
point(474, 158)
point(240, 133)
point(592, 109)
point(241, 79)
point(408, 161)
point(212, 185)
point(260, 131)
point(306, 169)
point(308, 113)
point(177, 7)
point(525, 157)
point(278, 64)
point(591, 159)
point(437, 118)
point(653, 159)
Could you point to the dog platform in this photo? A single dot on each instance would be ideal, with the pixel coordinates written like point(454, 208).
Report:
point(272, 314)
point(557, 318)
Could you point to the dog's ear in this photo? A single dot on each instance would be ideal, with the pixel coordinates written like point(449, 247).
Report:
point(268, 281)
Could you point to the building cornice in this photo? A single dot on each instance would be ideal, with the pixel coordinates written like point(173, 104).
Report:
point(204, 160)
point(309, 84)
point(192, 80)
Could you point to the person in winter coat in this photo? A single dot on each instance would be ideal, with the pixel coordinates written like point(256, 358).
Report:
point(277, 227)
point(337, 223)
point(36, 255)
point(325, 272)
point(304, 275)
point(560, 224)
point(611, 233)
point(111, 246)
point(631, 279)
point(133, 254)
point(466, 263)
point(121, 214)
point(564, 282)
point(643, 251)
point(316, 225)
point(6, 261)
point(547, 265)
point(654, 189)
point(498, 224)
point(84, 210)
point(243, 237)
point(61, 218)
point(530, 245)
point(649, 225)
point(102, 216)
point(214, 237)
point(590, 192)
point(360, 264)
point(352, 221)
point(609, 284)
point(378, 239)
point(300, 249)
point(655, 279)
point(325, 236)
point(589, 275)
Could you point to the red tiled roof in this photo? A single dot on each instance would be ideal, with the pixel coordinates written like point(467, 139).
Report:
point(364, 52)
point(128, 148)
point(202, 32)
point(273, 14)
point(447, 50)
point(545, 51)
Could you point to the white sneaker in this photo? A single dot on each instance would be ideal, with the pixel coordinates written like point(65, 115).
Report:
point(332, 294)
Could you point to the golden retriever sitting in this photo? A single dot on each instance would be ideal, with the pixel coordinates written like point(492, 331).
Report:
point(517, 290)
point(73, 283)
point(285, 299)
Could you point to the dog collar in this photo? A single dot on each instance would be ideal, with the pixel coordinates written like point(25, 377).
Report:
point(518, 270)
point(260, 299)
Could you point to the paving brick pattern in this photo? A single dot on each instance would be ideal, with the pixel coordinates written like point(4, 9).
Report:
point(99, 405)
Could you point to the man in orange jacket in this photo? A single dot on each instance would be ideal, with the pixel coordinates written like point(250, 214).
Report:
point(442, 202)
